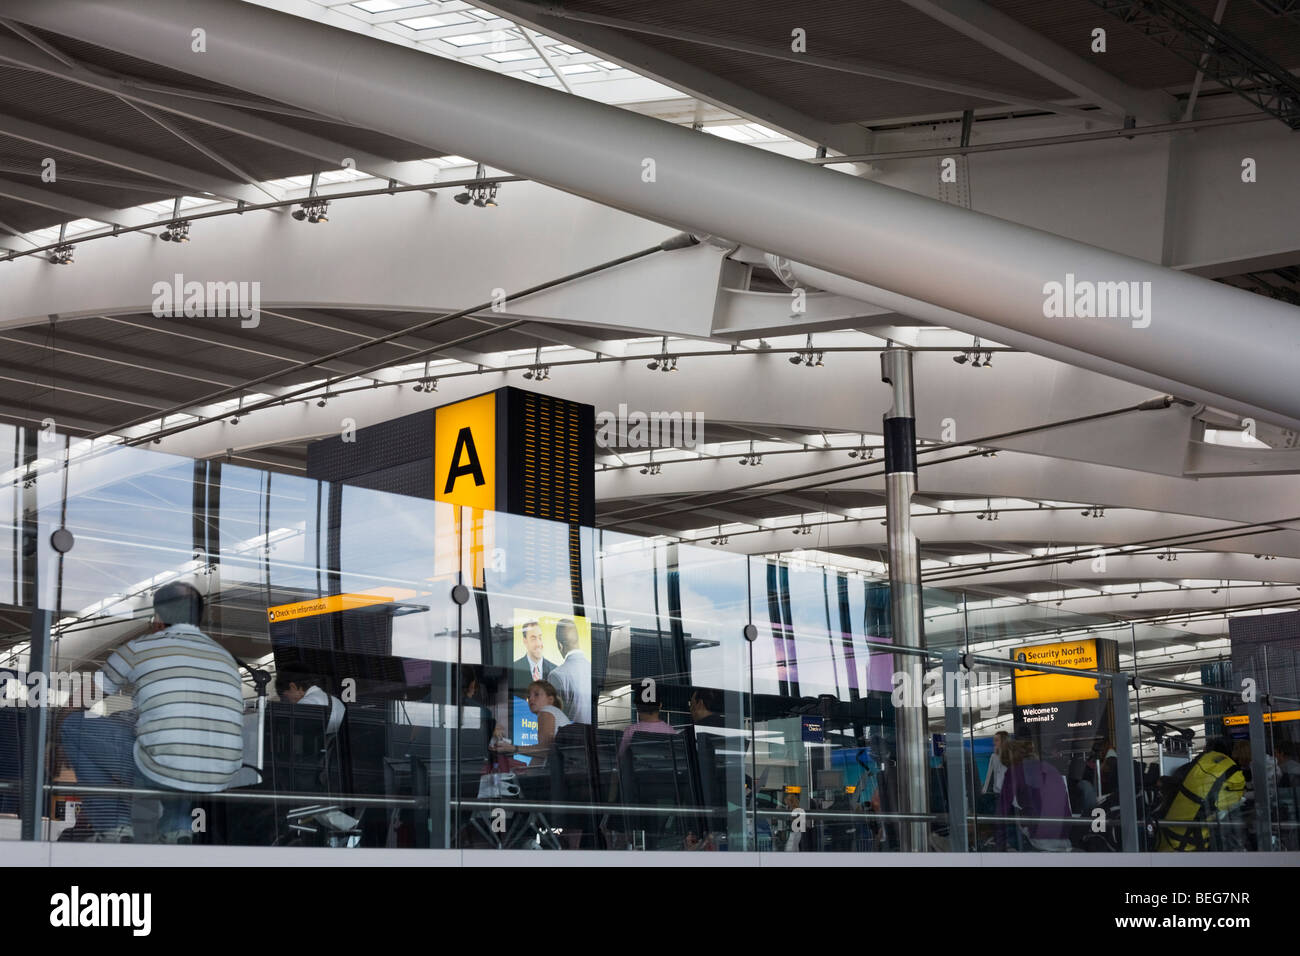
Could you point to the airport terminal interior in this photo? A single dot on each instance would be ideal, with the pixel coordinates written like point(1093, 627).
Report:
point(868, 427)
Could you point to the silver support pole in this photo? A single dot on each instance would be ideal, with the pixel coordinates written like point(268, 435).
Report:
point(32, 805)
point(905, 593)
point(1128, 812)
point(954, 752)
point(1259, 777)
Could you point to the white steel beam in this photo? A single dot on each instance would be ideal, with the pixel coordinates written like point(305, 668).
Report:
point(218, 116)
point(692, 80)
point(996, 271)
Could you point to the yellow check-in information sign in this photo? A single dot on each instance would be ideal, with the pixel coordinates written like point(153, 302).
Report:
point(324, 605)
point(1274, 717)
point(464, 452)
point(1037, 687)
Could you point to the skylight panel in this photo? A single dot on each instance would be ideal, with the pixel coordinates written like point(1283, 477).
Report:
point(470, 39)
point(384, 6)
point(510, 56)
point(429, 23)
point(736, 134)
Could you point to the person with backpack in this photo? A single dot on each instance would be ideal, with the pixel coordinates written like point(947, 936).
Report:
point(1201, 791)
point(1035, 791)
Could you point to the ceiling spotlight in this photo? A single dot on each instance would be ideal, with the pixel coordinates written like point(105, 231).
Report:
point(480, 201)
point(321, 403)
point(796, 359)
point(177, 231)
point(313, 210)
point(62, 255)
point(819, 359)
point(463, 198)
point(988, 358)
point(653, 365)
point(528, 373)
point(491, 196)
point(961, 359)
point(235, 420)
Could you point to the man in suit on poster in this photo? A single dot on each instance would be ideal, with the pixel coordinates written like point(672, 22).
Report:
point(534, 664)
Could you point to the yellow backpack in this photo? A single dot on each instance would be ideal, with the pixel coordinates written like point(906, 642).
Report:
point(1212, 784)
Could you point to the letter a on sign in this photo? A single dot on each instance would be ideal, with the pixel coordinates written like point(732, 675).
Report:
point(465, 452)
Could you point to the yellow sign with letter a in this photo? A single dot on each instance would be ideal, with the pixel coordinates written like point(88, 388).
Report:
point(465, 451)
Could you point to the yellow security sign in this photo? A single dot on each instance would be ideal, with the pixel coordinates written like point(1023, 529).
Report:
point(464, 452)
point(324, 605)
point(1036, 687)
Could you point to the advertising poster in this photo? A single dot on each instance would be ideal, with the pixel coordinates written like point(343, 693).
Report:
point(535, 649)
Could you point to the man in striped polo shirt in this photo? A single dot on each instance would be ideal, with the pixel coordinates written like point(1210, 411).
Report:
point(188, 720)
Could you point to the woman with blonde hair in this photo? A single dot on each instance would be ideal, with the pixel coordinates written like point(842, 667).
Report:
point(544, 701)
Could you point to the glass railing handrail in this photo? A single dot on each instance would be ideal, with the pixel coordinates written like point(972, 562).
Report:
point(260, 796)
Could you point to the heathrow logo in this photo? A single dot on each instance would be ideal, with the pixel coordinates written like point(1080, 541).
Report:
point(212, 300)
point(1085, 299)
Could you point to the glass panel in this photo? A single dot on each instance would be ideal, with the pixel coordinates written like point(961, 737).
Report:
point(311, 644)
point(826, 761)
point(596, 692)
point(619, 693)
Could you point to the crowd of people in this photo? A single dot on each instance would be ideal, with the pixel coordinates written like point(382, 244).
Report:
point(182, 736)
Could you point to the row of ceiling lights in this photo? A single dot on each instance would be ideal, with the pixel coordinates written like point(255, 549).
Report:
point(313, 210)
